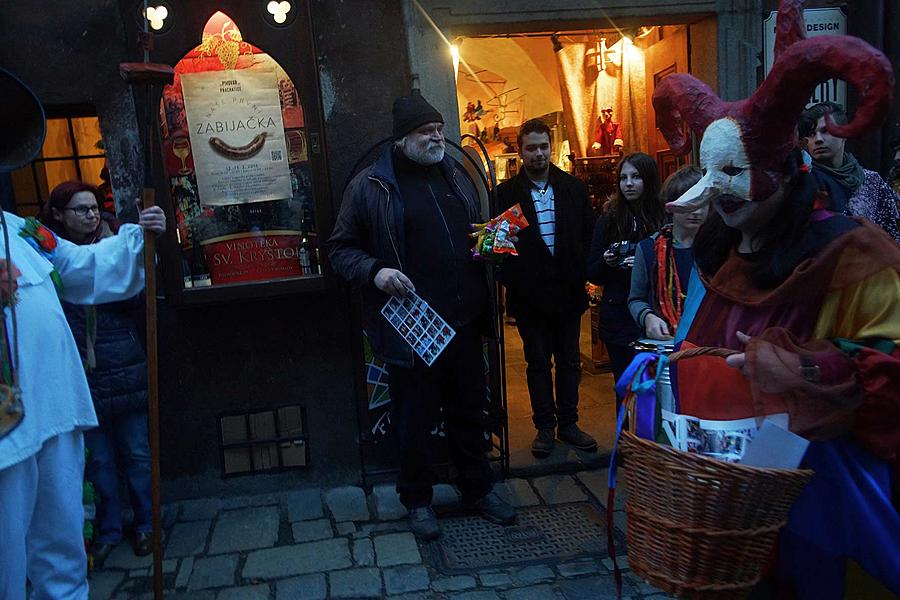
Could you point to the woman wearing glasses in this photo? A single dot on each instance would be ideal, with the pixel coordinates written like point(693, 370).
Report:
point(109, 340)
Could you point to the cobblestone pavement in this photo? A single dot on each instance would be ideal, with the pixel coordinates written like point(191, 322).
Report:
point(339, 543)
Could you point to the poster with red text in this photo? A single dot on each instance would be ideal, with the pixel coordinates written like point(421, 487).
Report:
point(237, 137)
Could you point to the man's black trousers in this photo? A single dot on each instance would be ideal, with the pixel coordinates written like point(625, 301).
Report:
point(547, 339)
point(455, 383)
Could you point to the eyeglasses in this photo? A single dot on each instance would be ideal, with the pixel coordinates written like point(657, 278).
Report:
point(82, 211)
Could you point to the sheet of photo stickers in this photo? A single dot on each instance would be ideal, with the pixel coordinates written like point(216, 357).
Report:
point(422, 328)
point(722, 440)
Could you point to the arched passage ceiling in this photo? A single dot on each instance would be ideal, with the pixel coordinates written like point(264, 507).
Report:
point(524, 63)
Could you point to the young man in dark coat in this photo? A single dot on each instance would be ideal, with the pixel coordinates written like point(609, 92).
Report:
point(403, 226)
point(545, 285)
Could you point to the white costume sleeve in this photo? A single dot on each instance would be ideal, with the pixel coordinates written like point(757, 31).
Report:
point(110, 270)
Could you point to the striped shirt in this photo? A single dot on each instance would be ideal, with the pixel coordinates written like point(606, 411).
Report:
point(545, 208)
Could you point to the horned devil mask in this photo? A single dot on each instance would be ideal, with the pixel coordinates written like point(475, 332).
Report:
point(745, 143)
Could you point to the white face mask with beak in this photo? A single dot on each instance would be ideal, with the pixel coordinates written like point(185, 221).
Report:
point(726, 169)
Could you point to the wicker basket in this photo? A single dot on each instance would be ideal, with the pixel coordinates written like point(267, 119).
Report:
point(700, 527)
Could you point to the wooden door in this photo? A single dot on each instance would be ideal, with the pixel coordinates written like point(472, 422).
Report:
point(669, 55)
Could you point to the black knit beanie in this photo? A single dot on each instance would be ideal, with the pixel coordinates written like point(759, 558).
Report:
point(411, 112)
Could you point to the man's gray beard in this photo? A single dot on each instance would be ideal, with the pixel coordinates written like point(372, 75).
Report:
point(431, 156)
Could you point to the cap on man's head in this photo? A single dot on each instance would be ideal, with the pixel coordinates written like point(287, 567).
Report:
point(413, 111)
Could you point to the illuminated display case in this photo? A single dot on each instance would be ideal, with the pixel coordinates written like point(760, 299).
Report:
point(239, 133)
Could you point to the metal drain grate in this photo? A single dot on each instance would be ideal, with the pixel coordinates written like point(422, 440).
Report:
point(548, 532)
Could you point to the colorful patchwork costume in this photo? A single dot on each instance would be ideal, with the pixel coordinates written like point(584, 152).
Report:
point(825, 341)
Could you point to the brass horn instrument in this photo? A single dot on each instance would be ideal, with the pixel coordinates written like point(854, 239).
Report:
point(24, 129)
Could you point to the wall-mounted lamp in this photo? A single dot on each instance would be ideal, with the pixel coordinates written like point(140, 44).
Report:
point(156, 17)
point(454, 52)
point(557, 46)
point(279, 10)
point(599, 55)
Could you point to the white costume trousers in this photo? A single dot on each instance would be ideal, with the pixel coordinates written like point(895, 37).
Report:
point(41, 523)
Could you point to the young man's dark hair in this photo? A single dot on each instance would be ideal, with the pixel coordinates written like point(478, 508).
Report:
point(810, 117)
point(533, 126)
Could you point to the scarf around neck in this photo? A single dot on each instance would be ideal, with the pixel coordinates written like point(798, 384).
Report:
point(850, 174)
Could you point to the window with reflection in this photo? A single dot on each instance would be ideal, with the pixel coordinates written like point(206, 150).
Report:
point(72, 151)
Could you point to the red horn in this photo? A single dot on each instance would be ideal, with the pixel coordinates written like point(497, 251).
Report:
point(790, 26)
point(783, 95)
point(681, 97)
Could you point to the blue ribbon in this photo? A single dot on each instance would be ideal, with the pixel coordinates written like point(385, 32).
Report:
point(635, 380)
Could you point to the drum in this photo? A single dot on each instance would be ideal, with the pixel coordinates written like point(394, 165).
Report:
point(664, 396)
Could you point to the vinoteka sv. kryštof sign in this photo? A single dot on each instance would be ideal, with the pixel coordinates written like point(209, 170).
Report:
point(237, 136)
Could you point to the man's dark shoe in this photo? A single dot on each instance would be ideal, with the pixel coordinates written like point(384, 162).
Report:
point(143, 544)
point(494, 509)
point(424, 523)
point(574, 436)
point(543, 443)
point(100, 551)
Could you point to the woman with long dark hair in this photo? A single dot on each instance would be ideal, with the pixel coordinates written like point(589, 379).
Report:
point(807, 300)
point(632, 215)
point(108, 338)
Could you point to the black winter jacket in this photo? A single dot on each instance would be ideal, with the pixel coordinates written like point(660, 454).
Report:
point(369, 235)
point(616, 325)
point(537, 282)
point(118, 382)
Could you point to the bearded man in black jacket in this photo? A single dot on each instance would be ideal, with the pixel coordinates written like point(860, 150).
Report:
point(404, 226)
point(545, 285)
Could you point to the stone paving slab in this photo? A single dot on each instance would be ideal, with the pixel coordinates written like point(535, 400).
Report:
point(356, 583)
point(184, 572)
point(597, 484)
point(103, 583)
point(307, 587)
point(188, 539)
point(363, 552)
point(253, 500)
point(249, 592)
point(304, 505)
point(396, 549)
point(347, 504)
point(453, 584)
point(578, 568)
point(404, 579)
point(517, 492)
point(536, 592)
point(596, 588)
point(310, 531)
point(213, 571)
point(533, 574)
point(346, 528)
point(122, 557)
point(386, 503)
point(203, 509)
point(495, 579)
point(298, 559)
point(245, 529)
point(481, 595)
point(559, 489)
